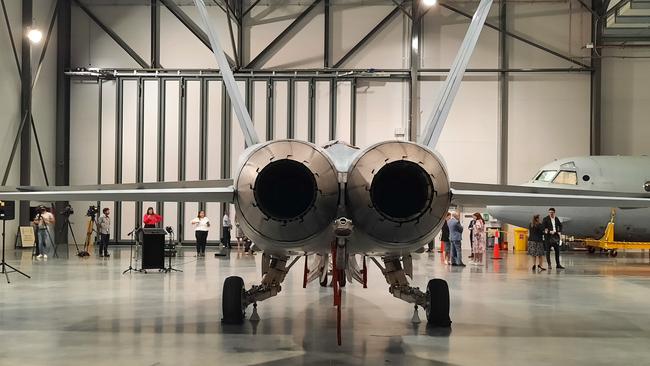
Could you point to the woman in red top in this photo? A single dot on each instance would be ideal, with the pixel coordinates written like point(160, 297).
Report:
point(151, 219)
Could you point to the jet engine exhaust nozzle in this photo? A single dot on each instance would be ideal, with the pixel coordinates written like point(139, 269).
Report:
point(287, 192)
point(398, 192)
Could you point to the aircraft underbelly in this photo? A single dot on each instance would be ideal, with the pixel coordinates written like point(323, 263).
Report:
point(582, 222)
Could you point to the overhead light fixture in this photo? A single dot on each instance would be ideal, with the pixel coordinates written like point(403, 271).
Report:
point(34, 35)
point(429, 2)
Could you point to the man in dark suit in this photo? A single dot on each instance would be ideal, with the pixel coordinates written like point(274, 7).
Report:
point(552, 230)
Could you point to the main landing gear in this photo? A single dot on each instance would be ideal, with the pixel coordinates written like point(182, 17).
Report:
point(236, 298)
point(435, 301)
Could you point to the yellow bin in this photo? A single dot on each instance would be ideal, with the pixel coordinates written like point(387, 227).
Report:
point(521, 239)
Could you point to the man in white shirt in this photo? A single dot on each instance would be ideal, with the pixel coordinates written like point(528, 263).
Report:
point(42, 221)
point(104, 226)
point(226, 226)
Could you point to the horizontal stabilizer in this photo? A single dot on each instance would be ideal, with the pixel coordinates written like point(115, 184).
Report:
point(199, 191)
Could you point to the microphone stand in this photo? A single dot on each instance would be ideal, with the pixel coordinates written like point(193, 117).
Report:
point(169, 263)
point(132, 234)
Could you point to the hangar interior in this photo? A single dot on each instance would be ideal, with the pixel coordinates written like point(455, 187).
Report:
point(128, 91)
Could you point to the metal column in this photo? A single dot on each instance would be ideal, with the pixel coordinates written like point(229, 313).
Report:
point(414, 85)
point(62, 145)
point(270, 109)
point(155, 34)
point(327, 43)
point(502, 168)
point(26, 109)
point(353, 111)
point(595, 127)
point(333, 108)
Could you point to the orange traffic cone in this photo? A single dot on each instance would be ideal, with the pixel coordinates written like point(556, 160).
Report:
point(495, 253)
point(442, 250)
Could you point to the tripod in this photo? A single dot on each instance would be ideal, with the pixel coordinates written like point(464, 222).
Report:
point(170, 245)
point(67, 225)
point(4, 264)
point(133, 234)
point(90, 229)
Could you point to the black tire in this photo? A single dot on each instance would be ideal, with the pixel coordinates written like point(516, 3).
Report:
point(232, 300)
point(591, 250)
point(613, 253)
point(438, 303)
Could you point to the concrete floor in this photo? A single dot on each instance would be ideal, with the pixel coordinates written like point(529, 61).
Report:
point(85, 312)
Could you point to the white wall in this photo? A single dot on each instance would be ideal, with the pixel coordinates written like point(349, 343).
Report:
point(44, 101)
point(548, 113)
point(626, 102)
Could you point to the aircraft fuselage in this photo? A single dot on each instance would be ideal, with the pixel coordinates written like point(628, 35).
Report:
point(626, 174)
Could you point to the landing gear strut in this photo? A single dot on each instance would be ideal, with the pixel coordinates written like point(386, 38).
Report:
point(236, 299)
point(435, 301)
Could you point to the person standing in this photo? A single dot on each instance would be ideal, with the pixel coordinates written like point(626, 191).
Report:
point(552, 232)
point(104, 226)
point(471, 237)
point(479, 239)
point(239, 235)
point(42, 221)
point(455, 237)
point(151, 218)
point(535, 242)
point(201, 226)
point(226, 226)
point(444, 238)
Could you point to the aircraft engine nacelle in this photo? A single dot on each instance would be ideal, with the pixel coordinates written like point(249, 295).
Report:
point(397, 195)
point(287, 193)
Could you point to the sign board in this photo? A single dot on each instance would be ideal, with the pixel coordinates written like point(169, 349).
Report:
point(27, 237)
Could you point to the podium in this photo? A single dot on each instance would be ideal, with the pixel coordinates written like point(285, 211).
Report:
point(153, 248)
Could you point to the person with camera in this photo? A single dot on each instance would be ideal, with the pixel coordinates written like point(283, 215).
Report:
point(42, 221)
point(104, 226)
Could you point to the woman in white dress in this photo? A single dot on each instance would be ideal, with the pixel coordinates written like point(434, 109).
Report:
point(479, 239)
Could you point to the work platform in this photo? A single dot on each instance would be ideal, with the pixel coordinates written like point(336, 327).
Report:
point(611, 246)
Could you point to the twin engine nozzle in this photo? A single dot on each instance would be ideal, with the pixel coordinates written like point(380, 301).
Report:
point(289, 192)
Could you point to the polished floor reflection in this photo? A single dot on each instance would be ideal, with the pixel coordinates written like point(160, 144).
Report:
point(85, 312)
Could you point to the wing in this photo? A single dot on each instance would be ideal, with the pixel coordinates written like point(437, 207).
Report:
point(199, 191)
point(478, 194)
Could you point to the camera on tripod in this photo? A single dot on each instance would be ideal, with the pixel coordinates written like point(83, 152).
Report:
point(67, 211)
point(92, 212)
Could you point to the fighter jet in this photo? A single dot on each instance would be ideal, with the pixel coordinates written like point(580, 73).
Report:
point(629, 174)
point(382, 202)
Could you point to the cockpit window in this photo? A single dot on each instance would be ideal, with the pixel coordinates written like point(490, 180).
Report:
point(569, 165)
point(566, 177)
point(546, 175)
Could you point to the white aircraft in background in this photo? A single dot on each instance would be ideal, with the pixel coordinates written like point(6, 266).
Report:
point(630, 174)
point(296, 199)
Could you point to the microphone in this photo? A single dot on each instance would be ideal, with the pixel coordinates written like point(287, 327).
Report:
point(134, 230)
